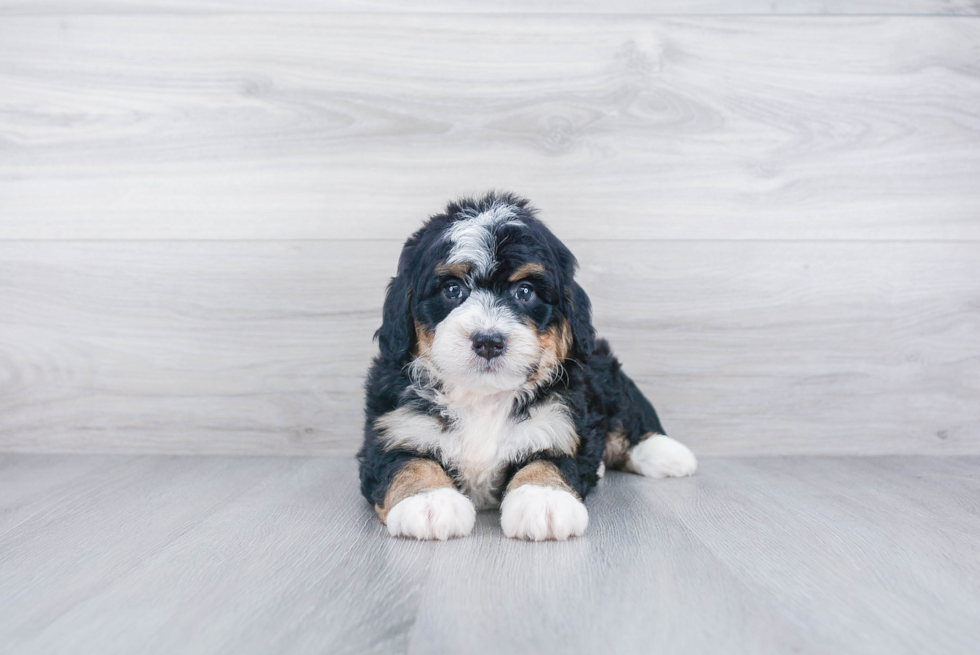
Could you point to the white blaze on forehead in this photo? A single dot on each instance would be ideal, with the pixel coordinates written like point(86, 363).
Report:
point(473, 240)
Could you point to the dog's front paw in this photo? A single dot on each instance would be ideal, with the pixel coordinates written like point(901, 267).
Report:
point(537, 513)
point(438, 514)
point(662, 457)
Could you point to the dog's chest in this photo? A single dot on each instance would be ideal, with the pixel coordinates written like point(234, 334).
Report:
point(485, 438)
point(478, 447)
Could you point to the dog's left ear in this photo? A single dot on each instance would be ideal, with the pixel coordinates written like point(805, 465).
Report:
point(579, 315)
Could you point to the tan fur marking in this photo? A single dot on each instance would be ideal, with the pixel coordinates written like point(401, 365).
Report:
point(617, 450)
point(555, 342)
point(459, 269)
point(563, 340)
point(416, 476)
point(617, 453)
point(424, 338)
point(541, 473)
point(526, 270)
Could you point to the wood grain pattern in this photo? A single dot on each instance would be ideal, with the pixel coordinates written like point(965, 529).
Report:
point(245, 347)
point(204, 527)
point(282, 126)
point(255, 555)
point(662, 7)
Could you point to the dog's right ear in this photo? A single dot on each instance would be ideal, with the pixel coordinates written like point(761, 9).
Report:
point(396, 334)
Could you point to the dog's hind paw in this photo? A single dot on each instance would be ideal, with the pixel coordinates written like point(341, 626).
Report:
point(661, 457)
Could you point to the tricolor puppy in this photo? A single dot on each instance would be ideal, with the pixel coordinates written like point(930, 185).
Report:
point(491, 387)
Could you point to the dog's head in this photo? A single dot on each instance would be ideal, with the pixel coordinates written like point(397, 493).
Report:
point(485, 299)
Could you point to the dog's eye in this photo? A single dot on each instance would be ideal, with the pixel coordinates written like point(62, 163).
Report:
point(525, 292)
point(453, 290)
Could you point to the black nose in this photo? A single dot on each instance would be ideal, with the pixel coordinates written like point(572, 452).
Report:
point(489, 344)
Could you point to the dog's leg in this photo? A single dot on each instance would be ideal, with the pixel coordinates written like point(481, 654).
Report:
point(539, 504)
point(636, 440)
point(659, 456)
point(422, 502)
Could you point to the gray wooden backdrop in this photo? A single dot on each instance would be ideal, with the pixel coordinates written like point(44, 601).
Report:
point(777, 216)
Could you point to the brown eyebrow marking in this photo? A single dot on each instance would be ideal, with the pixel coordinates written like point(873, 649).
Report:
point(459, 269)
point(531, 268)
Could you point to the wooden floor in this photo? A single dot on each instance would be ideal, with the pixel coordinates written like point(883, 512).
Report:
point(171, 554)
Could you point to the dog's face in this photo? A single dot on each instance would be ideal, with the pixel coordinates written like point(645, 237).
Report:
point(485, 301)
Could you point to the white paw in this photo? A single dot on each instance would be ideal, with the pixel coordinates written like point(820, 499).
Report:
point(538, 513)
point(437, 514)
point(662, 457)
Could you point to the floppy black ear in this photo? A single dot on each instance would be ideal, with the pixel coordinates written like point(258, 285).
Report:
point(397, 334)
point(579, 316)
point(574, 304)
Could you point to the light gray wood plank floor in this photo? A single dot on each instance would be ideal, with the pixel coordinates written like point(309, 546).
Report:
point(162, 554)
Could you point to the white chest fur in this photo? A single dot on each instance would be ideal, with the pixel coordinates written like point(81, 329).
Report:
point(482, 437)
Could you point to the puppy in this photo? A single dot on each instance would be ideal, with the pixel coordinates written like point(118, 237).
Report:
point(491, 387)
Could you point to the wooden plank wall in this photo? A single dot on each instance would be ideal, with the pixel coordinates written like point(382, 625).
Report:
point(778, 217)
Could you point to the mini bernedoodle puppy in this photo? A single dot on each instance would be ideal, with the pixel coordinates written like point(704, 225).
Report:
point(491, 387)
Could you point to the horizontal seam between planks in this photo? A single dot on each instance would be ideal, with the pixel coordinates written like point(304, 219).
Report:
point(300, 240)
point(516, 15)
